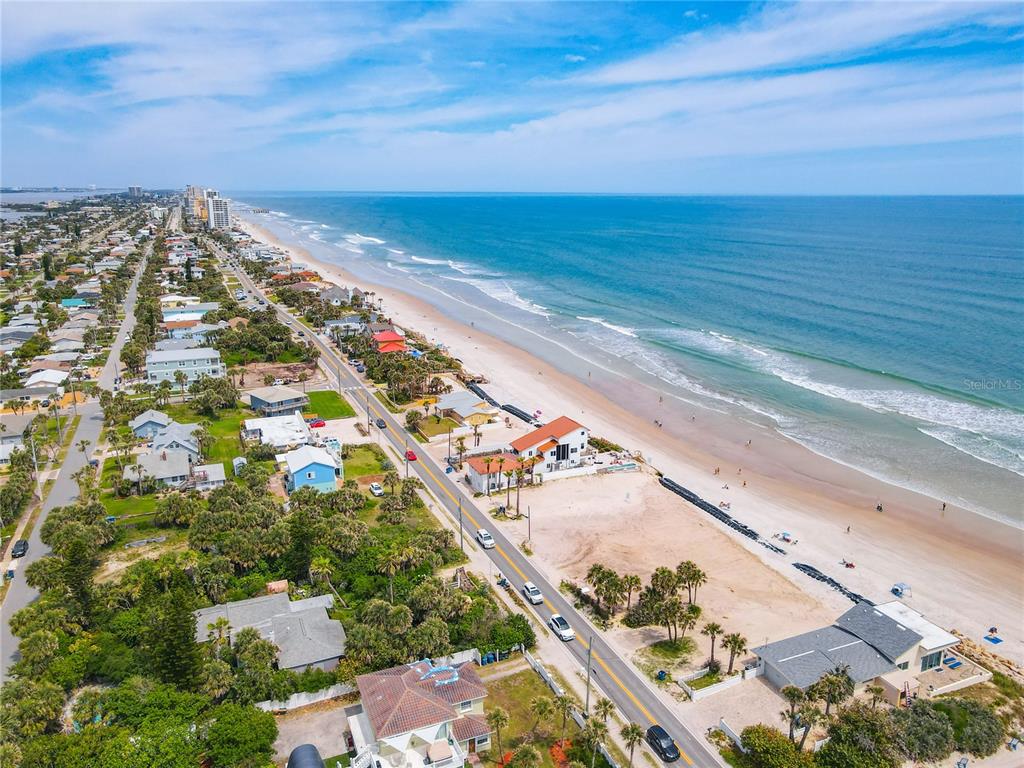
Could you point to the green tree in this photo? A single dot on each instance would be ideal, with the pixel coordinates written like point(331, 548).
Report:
point(768, 747)
point(833, 688)
point(171, 641)
point(563, 707)
point(498, 719)
point(604, 708)
point(926, 732)
point(633, 736)
point(542, 707)
point(713, 630)
point(861, 737)
point(794, 698)
point(736, 644)
point(594, 733)
point(240, 736)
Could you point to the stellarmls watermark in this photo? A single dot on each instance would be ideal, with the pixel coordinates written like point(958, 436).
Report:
point(994, 385)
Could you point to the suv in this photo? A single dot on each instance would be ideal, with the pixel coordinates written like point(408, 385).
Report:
point(561, 628)
point(381, 424)
point(485, 538)
point(662, 744)
point(20, 548)
point(532, 593)
point(376, 490)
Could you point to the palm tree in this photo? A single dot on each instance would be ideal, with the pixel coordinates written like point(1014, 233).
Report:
point(633, 735)
point(631, 583)
point(497, 719)
point(460, 447)
point(163, 392)
point(737, 644)
point(391, 479)
point(509, 474)
point(390, 564)
point(604, 708)
point(320, 569)
point(525, 756)
point(520, 473)
point(487, 473)
point(221, 629)
point(594, 733)
point(712, 630)
point(877, 694)
point(137, 471)
point(542, 707)
point(794, 697)
point(181, 378)
point(833, 688)
point(564, 707)
point(83, 445)
point(809, 716)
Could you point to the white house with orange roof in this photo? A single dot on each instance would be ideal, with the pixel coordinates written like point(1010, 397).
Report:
point(557, 446)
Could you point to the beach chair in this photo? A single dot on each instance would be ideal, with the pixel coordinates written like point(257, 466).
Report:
point(1014, 743)
point(961, 763)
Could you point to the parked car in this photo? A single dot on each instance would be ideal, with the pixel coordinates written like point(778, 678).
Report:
point(561, 628)
point(20, 548)
point(381, 424)
point(662, 743)
point(318, 423)
point(376, 489)
point(532, 593)
point(485, 538)
point(410, 456)
point(360, 369)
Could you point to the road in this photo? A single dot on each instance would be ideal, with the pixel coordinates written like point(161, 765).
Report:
point(632, 694)
point(65, 489)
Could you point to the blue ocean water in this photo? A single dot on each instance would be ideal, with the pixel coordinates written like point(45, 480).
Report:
point(883, 332)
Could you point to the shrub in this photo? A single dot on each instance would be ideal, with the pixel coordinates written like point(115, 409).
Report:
point(927, 732)
point(768, 747)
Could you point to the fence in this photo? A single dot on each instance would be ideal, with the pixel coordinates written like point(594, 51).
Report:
point(725, 728)
point(696, 694)
point(461, 657)
point(577, 716)
point(302, 699)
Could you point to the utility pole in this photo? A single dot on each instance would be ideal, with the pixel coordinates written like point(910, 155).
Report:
point(407, 457)
point(35, 463)
point(462, 531)
point(590, 651)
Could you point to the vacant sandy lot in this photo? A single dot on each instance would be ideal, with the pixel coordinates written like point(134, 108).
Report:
point(628, 522)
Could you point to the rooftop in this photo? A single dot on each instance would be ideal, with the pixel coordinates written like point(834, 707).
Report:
point(554, 430)
point(176, 355)
point(932, 636)
point(277, 394)
point(301, 458)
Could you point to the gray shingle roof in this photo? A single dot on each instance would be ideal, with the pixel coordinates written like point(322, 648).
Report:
point(803, 659)
point(872, 626)
point(157, 417)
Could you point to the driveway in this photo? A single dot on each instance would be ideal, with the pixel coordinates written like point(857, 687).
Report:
point(322, 725)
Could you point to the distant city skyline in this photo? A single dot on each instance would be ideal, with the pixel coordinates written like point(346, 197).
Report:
point(714, 98)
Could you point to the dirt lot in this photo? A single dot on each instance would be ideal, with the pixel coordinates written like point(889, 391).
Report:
point(323, 725)
point(252, 375)
point(628, 522)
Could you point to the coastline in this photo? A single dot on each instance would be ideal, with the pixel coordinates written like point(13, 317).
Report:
point(788, 487)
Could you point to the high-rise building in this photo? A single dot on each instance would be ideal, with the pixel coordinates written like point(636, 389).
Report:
point(135, 192)
point(218, 212)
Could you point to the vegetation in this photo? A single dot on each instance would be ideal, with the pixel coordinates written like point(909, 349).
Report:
point(329, 405)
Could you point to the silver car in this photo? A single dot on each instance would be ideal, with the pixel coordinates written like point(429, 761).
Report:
point(561, 628)
point(485, 538)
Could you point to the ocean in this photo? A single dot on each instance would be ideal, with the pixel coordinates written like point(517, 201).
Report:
point(882, 332)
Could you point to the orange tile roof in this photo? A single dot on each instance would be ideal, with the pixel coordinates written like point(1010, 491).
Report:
point(180, 323)
point(547, 446)
point(388, 336)
point(504, 462)
point(392, 346)
point(554, 430)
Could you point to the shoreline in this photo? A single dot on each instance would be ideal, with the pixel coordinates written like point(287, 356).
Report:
point(787, 486)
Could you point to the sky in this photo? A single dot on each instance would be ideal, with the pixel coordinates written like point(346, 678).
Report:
point(717, 98)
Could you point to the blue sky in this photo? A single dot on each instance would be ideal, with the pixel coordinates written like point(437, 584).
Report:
point(813, 98)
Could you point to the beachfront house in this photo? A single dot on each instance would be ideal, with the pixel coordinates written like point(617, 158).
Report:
point(148, 423)
point(303, 631)
point(890, 645)
point(465, 407)
point(167, 468)
point(418, 715)
point(557, 446)
point(194, 363)
point(275, 401)
point(288, 431)
point(343, 326)
point(310, 467)
point(486, 474)
point(206, 477)
point(335, 295)
point(387, 342)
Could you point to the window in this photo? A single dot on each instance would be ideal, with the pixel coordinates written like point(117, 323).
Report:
point(483, 741)
point(465, 706)
point(904, 665)
point(310, 475)
point(931, 661)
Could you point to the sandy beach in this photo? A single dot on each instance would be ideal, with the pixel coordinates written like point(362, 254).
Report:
point(964, 569)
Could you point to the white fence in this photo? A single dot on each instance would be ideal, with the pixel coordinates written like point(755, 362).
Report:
point(302, 699)
point(725, 728)
point(461, 657)
point(577, 716)
point(696, 694)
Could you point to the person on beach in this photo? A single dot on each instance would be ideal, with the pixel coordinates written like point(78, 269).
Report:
point(749, 442)
point(943, 506)
point(847, 529)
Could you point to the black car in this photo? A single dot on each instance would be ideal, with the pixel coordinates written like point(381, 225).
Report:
point(381, 424)
point(20, 548)
point(662, 744)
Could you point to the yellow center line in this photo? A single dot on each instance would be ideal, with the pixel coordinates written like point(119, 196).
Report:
point(522, 575)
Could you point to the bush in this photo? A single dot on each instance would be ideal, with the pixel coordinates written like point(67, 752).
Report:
point(976, 728)
point(714, 666)
point(927, 732)
point(768, 747)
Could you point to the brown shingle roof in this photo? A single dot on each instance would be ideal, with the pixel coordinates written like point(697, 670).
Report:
point(405, 698)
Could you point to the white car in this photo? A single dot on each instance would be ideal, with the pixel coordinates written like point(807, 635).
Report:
point(376, 490)
point(532, 593)
point(485, 538)
point(561, 628)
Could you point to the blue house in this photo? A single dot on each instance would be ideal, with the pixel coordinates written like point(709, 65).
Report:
point(148, 423)
point(275, 401)
point(72, 303)
point(310, 467)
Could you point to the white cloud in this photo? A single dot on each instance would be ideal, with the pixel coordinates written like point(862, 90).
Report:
point(574, 58)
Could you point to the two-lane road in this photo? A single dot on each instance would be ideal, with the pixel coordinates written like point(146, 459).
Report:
point(633, 695)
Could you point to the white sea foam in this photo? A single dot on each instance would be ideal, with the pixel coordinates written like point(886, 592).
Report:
point(280, 214)
point(395, 251)
point(397, 268)
point(500, 290)
point(610, 326)
point(358, 239)
point(350, 248)
point(421, 260)
point(980, 447)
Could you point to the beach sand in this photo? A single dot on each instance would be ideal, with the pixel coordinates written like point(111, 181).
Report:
point(965, 569)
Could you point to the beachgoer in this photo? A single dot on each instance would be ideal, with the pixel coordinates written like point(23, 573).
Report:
point(943, 506)
point(716, 470)
point(749, 442)
point(739, 471)
point(744, 483)
point(847, 529)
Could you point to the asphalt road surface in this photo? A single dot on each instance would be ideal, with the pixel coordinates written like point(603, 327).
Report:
point(65, 489)
point(633, 695)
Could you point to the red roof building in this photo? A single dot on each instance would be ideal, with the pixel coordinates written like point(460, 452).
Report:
point(556, 446)
point(389, 341)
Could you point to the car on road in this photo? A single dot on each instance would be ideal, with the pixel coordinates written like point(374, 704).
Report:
point(376, 490)
point(532, 593)
point(485, 538)
point(316, 423)
point(381, 424)
point(20, 548)
point(410, 456)
point(561, 628)
point(662, 743)
point(302, 333)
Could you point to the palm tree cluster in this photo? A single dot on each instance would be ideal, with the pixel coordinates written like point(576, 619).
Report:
point(803, 707)
point(660, 602)
point(407, 377)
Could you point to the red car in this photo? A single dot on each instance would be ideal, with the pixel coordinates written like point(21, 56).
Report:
point(410, 456)
point(318, 423)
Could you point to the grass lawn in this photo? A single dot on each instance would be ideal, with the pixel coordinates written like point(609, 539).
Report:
point(664, 655)
point(514, 694)
point(224, 428)
point(362, 461)
point(430, 427)
point(329, 405)
point(342, 760)
point(129, 505)
point(381, 395)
